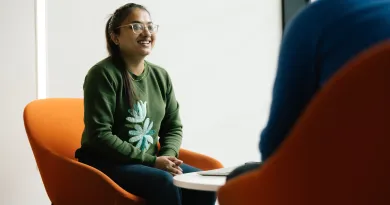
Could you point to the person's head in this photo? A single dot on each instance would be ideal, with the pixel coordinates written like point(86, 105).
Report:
point(130, 32)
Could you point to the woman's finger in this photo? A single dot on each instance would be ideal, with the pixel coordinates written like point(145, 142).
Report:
point(179, 168)
point(175, 160)
point(176, 170)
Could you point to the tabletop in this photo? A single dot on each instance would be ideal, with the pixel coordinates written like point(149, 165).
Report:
point(196, 181)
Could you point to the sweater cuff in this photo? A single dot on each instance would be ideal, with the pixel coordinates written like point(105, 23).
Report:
point(168, 152)
point(149, 160)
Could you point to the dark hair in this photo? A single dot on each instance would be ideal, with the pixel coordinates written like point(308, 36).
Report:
point(112, 25)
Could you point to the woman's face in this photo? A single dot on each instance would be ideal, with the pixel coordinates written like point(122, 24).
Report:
point(137, 35)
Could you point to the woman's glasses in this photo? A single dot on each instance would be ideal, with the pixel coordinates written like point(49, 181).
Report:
point(138, 28)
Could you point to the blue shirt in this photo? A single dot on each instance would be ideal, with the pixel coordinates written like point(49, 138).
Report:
point(316, 44)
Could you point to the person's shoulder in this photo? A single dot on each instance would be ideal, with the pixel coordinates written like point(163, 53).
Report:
point(103, 71)
point(159, 72)
point(333, 10)
point(323, 15)
point(157, 69)
point(314, 19)
point(104, 67)
point(312, 14)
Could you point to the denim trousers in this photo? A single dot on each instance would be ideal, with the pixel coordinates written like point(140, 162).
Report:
point(154, 185)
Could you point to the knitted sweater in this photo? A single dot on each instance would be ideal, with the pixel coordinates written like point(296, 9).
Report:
point(119, 133)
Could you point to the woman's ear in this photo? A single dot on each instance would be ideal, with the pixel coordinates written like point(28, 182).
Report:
point(114, 38)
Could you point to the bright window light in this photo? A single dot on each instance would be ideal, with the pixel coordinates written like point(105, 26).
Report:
point(41, 46)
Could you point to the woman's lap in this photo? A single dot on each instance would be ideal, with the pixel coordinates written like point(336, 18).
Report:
point(131, 177)
point(154, 184)
point(188, 168)
point(142, 180)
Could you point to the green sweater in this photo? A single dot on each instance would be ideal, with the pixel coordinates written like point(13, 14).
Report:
point(120, 134)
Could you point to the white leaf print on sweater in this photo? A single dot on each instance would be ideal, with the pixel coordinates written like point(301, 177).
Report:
point(138, 114)
point(141, 134)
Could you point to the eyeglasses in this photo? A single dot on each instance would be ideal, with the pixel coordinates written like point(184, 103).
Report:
point(139, 27)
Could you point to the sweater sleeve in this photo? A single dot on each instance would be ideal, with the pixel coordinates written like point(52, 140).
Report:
point(295, 83)
point(99, 107)
point(171, 127)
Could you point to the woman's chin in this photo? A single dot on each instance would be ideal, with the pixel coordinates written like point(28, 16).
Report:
point(145, 51)
point(140, 52)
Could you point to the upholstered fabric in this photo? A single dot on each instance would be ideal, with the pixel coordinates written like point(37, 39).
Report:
point(54, 128)
point(338, 152)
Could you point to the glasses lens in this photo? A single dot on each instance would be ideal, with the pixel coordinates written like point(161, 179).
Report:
point(137, 28)
point(152, 28)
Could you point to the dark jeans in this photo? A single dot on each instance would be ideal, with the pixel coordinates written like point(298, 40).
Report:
point(154, 185)
point(243, 169)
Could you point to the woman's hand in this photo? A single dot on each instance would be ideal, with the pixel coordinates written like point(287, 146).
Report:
point(169, 164)
point(177, 162)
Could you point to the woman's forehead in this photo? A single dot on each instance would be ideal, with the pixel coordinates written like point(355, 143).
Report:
point(138, 16)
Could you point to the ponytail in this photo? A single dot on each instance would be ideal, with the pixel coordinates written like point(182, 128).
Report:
point(116, 56)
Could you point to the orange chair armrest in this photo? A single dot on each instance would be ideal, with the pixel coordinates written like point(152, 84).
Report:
point(240, 190)
point(198, 160)
point(68, 181)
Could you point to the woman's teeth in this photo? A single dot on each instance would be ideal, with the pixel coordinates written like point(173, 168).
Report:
point(144, 42)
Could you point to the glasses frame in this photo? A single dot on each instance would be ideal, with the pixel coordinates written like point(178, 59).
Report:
point(131, 25)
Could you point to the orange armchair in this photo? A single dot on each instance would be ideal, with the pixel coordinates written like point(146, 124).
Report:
point(54, 128)
point(338, 152)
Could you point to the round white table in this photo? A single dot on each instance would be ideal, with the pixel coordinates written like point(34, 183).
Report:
point(196, 181)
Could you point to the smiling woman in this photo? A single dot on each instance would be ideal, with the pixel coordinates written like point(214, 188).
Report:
point(129, 103)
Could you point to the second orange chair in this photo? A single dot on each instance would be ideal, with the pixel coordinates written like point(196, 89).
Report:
point(338, 152)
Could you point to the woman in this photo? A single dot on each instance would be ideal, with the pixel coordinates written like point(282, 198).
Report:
point(128, 103)
point(316, 44)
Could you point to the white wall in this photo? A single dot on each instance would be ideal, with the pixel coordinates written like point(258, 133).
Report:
point(220, 54)
point(20, 182)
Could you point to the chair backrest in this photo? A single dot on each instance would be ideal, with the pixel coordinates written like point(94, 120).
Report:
point(55, 124)
point(338, 151)
point(54, 127)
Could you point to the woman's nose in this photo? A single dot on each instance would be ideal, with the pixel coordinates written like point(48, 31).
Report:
point(146, 32)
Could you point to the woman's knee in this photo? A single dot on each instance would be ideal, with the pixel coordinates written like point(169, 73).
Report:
point(163, 178)
point(165, 191)
point(188, 169)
